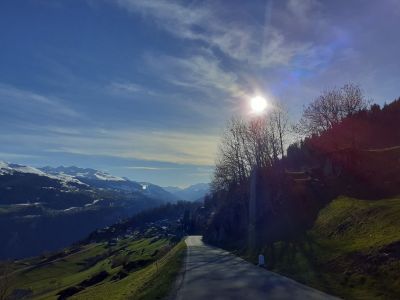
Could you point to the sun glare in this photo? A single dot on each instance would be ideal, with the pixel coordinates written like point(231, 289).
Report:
point(258, 104)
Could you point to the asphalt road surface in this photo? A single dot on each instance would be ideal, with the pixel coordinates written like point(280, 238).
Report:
point(214, 274)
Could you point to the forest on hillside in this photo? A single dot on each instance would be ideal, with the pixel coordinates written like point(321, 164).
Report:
point(265, 190)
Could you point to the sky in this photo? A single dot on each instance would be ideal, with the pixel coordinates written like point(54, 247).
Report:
point(143, 89)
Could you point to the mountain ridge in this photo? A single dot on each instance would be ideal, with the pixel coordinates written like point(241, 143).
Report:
point(193, 192)
point(42, 209)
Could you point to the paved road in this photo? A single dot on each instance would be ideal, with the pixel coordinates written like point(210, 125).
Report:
point(214, 274)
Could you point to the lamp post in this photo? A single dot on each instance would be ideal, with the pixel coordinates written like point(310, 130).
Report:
point(258, 105)
point(252, 207)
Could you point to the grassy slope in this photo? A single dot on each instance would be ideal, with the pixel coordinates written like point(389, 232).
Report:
point(47, 279)
point(159, 283)
point(151, 282)
point(353, 250)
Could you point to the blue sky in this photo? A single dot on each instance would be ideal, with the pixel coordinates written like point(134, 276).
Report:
point(143, 89)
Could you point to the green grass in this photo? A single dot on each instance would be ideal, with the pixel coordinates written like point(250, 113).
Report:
point(168, 268)
point(353, 250)
point(152, 280)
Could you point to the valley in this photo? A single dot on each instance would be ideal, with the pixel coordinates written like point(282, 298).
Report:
point(46, 209)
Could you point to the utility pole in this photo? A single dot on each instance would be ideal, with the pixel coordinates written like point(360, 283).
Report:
point(252, 207)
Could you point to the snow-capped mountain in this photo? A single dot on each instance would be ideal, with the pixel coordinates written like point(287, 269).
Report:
point(8, 168)
point(75, 177)
point(82, 173)
point(47, 208)
point(65, 179)
point(191, 193)
point(95, 178)
point(100, 179)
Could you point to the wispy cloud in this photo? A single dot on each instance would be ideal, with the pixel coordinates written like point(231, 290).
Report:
point(151, 168)
point(256, 42)
point(201, 72)
point(129, 88)
point(25, 104)
point(162, 146)
point(234, 57)
point(13, 156)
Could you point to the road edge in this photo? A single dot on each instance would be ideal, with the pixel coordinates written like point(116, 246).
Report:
point(172, 295)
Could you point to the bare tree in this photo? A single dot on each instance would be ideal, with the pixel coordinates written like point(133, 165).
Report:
point(230, 168)
point(279, 127)
point(330, 108)
point(258, 146)
point(245, 145)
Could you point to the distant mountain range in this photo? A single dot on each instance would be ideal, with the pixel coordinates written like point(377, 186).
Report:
point(44, 209)
point(191, 193)
point(102, 180)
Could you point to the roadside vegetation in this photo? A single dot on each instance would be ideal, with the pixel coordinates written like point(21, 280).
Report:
point(352, 251)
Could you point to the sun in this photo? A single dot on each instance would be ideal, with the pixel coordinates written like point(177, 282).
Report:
point(258, 104)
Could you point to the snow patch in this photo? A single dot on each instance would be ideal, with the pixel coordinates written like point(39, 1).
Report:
point(105, 176)
point(65, 178)
point(3, 164)
point(28, 204)
point(93, 203)
point(71, 208)
point(6, 168)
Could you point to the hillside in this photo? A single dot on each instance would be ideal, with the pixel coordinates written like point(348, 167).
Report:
point(49, 208)
point(139, 268)
point(137, 258)
point(353, 250)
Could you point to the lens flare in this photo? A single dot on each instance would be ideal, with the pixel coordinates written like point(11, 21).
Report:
point(258, 104)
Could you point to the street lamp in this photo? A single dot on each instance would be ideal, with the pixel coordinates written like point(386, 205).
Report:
point(258, 106)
